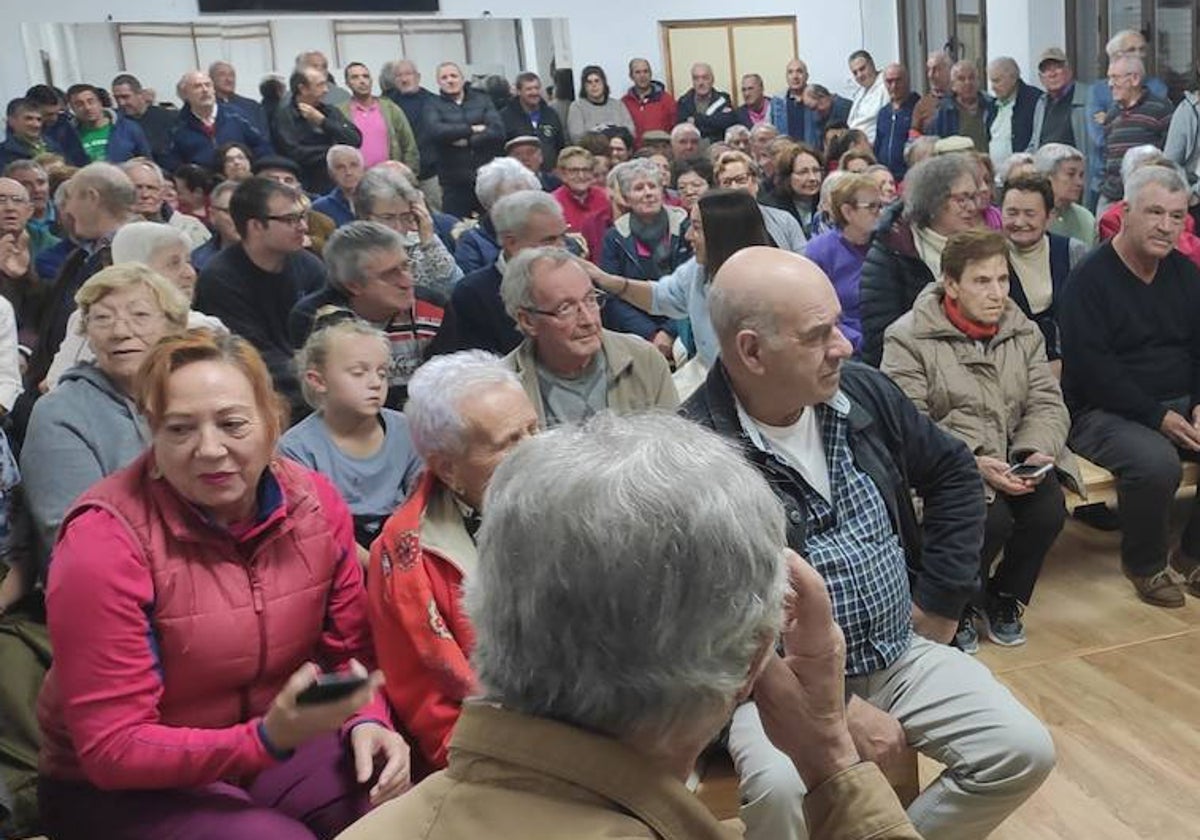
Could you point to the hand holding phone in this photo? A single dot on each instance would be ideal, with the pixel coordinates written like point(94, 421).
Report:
point(1029, 472)
point(329, 688)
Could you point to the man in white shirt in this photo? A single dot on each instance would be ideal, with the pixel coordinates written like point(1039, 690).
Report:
point(871, 96)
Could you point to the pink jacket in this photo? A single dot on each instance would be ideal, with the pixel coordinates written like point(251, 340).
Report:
point(172, 636)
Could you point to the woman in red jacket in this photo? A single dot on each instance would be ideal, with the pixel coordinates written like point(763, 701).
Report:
point(192, 596)
point(465, 412)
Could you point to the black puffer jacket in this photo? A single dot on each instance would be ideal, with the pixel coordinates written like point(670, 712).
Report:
point(448, 122)
point(902, 451)
point(892, 277)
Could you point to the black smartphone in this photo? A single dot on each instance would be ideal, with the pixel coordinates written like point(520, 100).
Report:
point(329, 688)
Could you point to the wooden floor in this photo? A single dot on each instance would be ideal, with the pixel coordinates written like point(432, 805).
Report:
point(1118, 684)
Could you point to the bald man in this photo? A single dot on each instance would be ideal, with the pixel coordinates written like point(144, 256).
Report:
point(843, 449)
point(707, 108)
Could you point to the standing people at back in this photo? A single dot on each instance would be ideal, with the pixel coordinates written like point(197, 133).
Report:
point(386, 132)
point(306, 126)
point(649, 102)
point(871, 94)
point(707, 108)
point(529, 115)
point(467, 131)
point(1137, 118)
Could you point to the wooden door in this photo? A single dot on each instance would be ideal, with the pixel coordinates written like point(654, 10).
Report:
point(733, 48)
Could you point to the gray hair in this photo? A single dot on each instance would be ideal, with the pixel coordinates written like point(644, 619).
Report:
point(501, 177)
point(1049, 157)
point(1166, 174)
point(112, 185)
point(1132, 63)
point(1116, 44)
point(139, 241)
point(738, 130)
point(1014, 160)
point(351, 245)
point(435, 394)
point(592, 580)
point(1006, 63)
point(511, 214)
point(684, 128)
point(339, 149)
point(1138, 156)
point(381, 183)
point(516, 289)
point(145, 163)
point(387, 76)
point(764, 128)
point(23, 165)
point(923, 145)
point(222, 188)
point(928, 185)
point(631, 171)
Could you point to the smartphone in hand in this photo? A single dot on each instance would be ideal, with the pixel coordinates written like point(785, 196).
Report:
point(1029, 472)
point(330, 688)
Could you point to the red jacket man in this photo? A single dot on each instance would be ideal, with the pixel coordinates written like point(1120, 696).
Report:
point(648, 101)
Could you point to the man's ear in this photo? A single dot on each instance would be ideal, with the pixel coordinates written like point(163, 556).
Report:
point(749, 348)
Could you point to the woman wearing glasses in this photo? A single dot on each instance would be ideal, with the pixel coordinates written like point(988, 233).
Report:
point(906, 251)
point(854, 205)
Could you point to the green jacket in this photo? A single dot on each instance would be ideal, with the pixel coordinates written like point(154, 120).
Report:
point(402, 143)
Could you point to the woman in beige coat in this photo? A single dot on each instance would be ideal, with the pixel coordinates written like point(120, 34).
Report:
point(968, 357)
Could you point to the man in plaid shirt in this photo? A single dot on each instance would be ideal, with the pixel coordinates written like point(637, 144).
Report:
point(844, 450)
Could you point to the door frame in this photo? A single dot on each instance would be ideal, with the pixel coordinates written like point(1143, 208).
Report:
point(735, 92)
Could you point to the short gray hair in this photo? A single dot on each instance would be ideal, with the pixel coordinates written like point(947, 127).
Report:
point(1167, 175)
point(1132, 62)
point(1006, 63)
point(351, 245)
point(684, 128)
point(222, 188)
point(501, 177)
point(1014, 160)
point(23, 165)
point(112, 185)
point(139, 241)
point(1116, 44)
point(631, 171)
point(511, 214)
point(1049, 157)
point(435, 394)
point(737, 130)
point(516, 289)
point(1138, 156)
point(381, 183)
point(339, 149)
point(387, 76)
point(928, 185)
point(602, 601)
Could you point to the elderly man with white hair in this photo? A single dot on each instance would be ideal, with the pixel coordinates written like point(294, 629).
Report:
point(345, 165)
point(967, 111)
point(845, 452)
point(704, 106)
point(597, 687)
point(204, 125)
point(1015, 103)
point(224, 79)
point(1137, 117)
point(160, 247)
point(148, 181)
point(685, 141)
point(569, 365)
point(478, 246)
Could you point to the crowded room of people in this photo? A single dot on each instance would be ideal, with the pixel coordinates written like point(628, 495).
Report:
point(426, 421)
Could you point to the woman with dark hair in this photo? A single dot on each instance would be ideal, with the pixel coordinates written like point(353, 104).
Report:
point(233, 161)
point(620, 143)
point(596, 110)
point(691, 178)
point(722, 223)
point(193, 185)
point(799, 171)
point(848, 141)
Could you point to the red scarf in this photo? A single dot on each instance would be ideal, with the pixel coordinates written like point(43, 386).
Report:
point(969, 328)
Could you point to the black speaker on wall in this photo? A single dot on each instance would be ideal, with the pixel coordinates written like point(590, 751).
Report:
point(325, 6)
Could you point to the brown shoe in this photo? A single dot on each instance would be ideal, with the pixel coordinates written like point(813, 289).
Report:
point(1187, 568)
point(1160, 589)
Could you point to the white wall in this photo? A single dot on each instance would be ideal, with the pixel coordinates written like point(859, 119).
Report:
point(1023, 30)
point(606, 33)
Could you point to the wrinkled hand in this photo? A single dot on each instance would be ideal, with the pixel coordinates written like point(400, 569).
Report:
point(878, 736)
point(311, 114)
point(665, 344)
point(801, 697)
point(1036, 459)
point(15, 256)
point(289, 725)
point(425, 229)
point(995, 473)
point(936, 628)
point(1180, 432)
point(370, 741)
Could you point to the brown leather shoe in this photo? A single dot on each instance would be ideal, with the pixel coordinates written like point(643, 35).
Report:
point(1161, 589)
point(1187, 568)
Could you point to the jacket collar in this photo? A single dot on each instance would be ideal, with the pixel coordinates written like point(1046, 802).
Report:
point(618, 360)
point(441, 527)
point(930, 321)
point(676, 216)
point(599, 765)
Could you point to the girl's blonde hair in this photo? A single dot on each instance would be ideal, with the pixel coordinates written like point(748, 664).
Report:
point(315, 352)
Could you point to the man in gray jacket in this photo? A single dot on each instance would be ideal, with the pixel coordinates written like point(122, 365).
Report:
point(1061, 113)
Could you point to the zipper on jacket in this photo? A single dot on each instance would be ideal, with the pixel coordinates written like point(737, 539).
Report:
point(256, 597)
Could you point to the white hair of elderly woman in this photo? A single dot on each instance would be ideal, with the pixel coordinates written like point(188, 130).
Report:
point(435, 394)
point(630, 571)
point(139, 241)
point(516, 289)
point(502, 176)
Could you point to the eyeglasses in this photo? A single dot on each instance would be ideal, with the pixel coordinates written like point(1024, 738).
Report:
point(569, 310)
point(1117, 78)
point(393, 218)
point(742, 180)
point(292, 219)
point(966, 199)
point(138, 322)
point(15, 200)
point(577, 170)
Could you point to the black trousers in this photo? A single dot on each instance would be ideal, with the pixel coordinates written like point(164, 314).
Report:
point(1025, 527)
point(1148, 470)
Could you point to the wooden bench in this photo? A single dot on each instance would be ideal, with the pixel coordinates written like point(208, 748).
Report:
point(1101, 485)
point(718, 788)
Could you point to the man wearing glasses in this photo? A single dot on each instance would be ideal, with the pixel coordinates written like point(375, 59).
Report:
point(1137, 118)
point(253, 285)
point(569, 365)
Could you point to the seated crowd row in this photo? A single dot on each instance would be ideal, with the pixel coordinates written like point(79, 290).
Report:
point(163, 325)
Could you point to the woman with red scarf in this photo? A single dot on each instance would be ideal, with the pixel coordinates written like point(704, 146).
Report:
point(969, 358)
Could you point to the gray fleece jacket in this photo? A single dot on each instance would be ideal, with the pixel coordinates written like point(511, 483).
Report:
point(83, 430)
point(1183, 137)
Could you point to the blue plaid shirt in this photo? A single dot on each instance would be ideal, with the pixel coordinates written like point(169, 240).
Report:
point(853, 545)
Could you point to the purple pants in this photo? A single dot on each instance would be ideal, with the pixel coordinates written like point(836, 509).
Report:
point(312, 794)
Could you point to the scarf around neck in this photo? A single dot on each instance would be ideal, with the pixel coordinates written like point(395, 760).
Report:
point(653, 236)
point(971, 329)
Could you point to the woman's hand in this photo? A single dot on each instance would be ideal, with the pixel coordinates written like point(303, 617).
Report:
point(425, 230)
point(369, 741)
point(289, 725)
